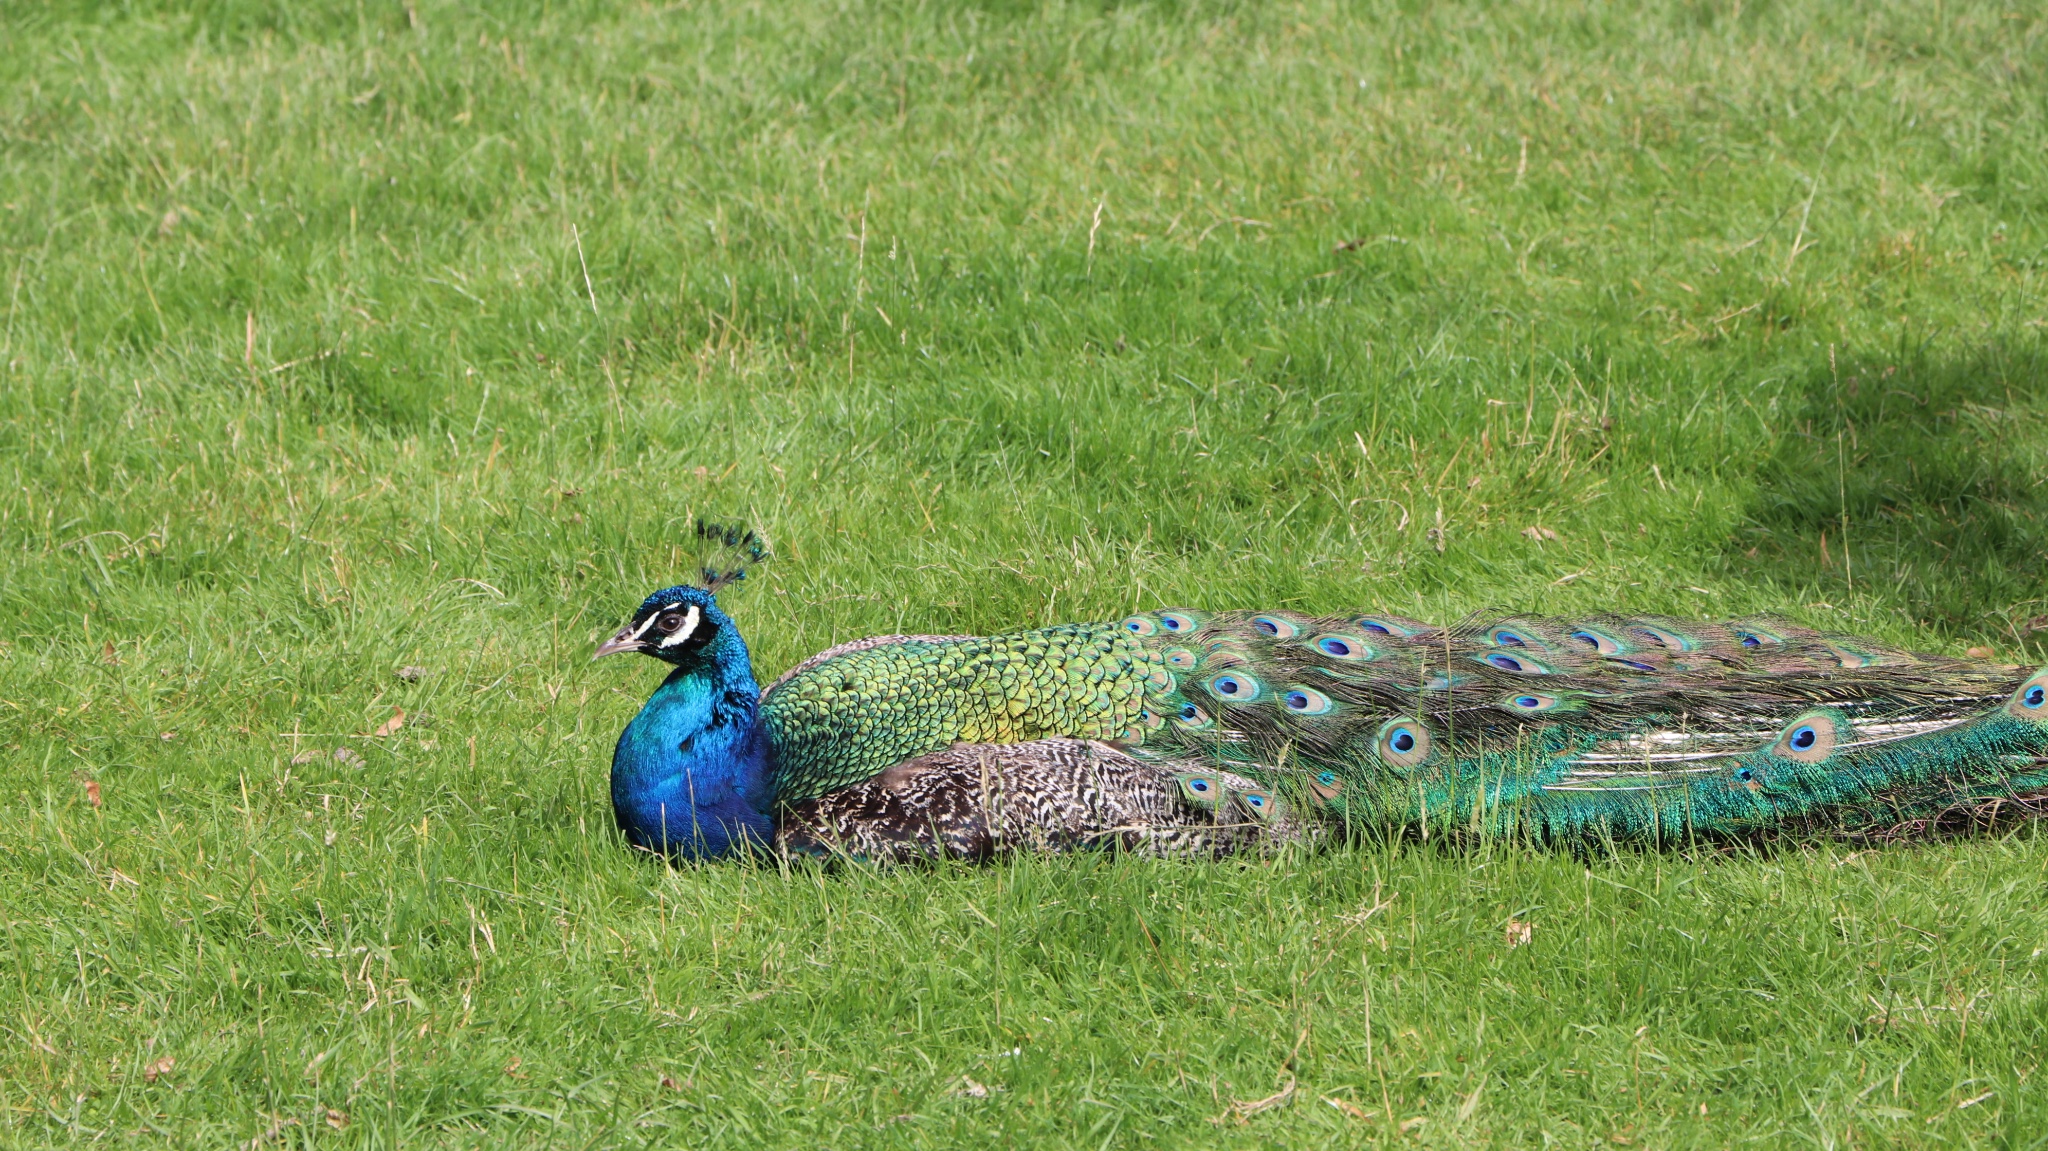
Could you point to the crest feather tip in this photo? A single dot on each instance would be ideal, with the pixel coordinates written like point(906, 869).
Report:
point(726, 551)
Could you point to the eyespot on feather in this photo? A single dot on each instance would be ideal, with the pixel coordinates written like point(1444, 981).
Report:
point(1177, 622)
point(1382, 625)
point(1665, 638)
point(1810, 738)
point(1306, 701)
point(1235, 686)
point(1160, 681)
point(2030, 702)
point(1853, 658)
point(1181, 658)
point(1223, 656)
point(1262, 805)
point(1534, 702)
point(1512, 634)
point(1275, 627)
point(1754, 635)
point(1598, 641)
point(1515, 662)
point(1192, 718)
point(1201, 790)
point(1336, 645)
point(1402, 742)
point(1140, 625)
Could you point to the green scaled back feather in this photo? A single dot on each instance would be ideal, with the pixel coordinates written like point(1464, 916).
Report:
point(1622, 727)
point(846, 719)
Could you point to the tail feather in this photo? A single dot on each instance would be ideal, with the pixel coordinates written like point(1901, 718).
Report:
point(1634, 727)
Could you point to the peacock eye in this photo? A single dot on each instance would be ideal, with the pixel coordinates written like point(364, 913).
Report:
point(1596, 641)
point(1277, 628)
point(1236, 687)
point(1403, 743)
point(669, 622)
point(1520, 663)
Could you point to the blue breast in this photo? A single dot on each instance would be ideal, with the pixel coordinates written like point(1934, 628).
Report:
point(690, 773)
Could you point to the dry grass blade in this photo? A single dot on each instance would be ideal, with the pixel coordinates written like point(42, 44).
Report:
point(1241, 1111)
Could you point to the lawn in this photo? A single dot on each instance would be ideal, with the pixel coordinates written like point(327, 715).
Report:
point(363, 363)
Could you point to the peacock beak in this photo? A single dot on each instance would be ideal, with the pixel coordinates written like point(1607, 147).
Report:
point(628, 639)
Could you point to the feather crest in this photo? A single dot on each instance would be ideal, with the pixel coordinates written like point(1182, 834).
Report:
point(725, 552)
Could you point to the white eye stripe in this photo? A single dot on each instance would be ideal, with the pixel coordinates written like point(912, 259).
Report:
point(642, 629)
point(690, 622)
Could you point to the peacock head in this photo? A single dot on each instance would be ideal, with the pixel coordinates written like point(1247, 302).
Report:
point(678, 625)
point(674, 625)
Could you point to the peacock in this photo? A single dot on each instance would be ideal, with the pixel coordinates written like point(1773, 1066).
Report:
point(1209, 732)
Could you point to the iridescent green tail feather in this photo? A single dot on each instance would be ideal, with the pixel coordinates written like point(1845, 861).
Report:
point(1621, 727)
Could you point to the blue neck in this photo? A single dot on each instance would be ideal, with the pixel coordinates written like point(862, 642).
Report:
point(690, 773)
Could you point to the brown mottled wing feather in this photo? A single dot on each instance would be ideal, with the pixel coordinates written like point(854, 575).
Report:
point(977, 801)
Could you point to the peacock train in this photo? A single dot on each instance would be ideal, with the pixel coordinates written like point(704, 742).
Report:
point(1204, 733)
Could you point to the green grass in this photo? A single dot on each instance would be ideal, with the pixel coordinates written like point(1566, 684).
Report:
point(345, 337)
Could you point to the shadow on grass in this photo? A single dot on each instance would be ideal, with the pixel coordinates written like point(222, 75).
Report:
point(1919, 480)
